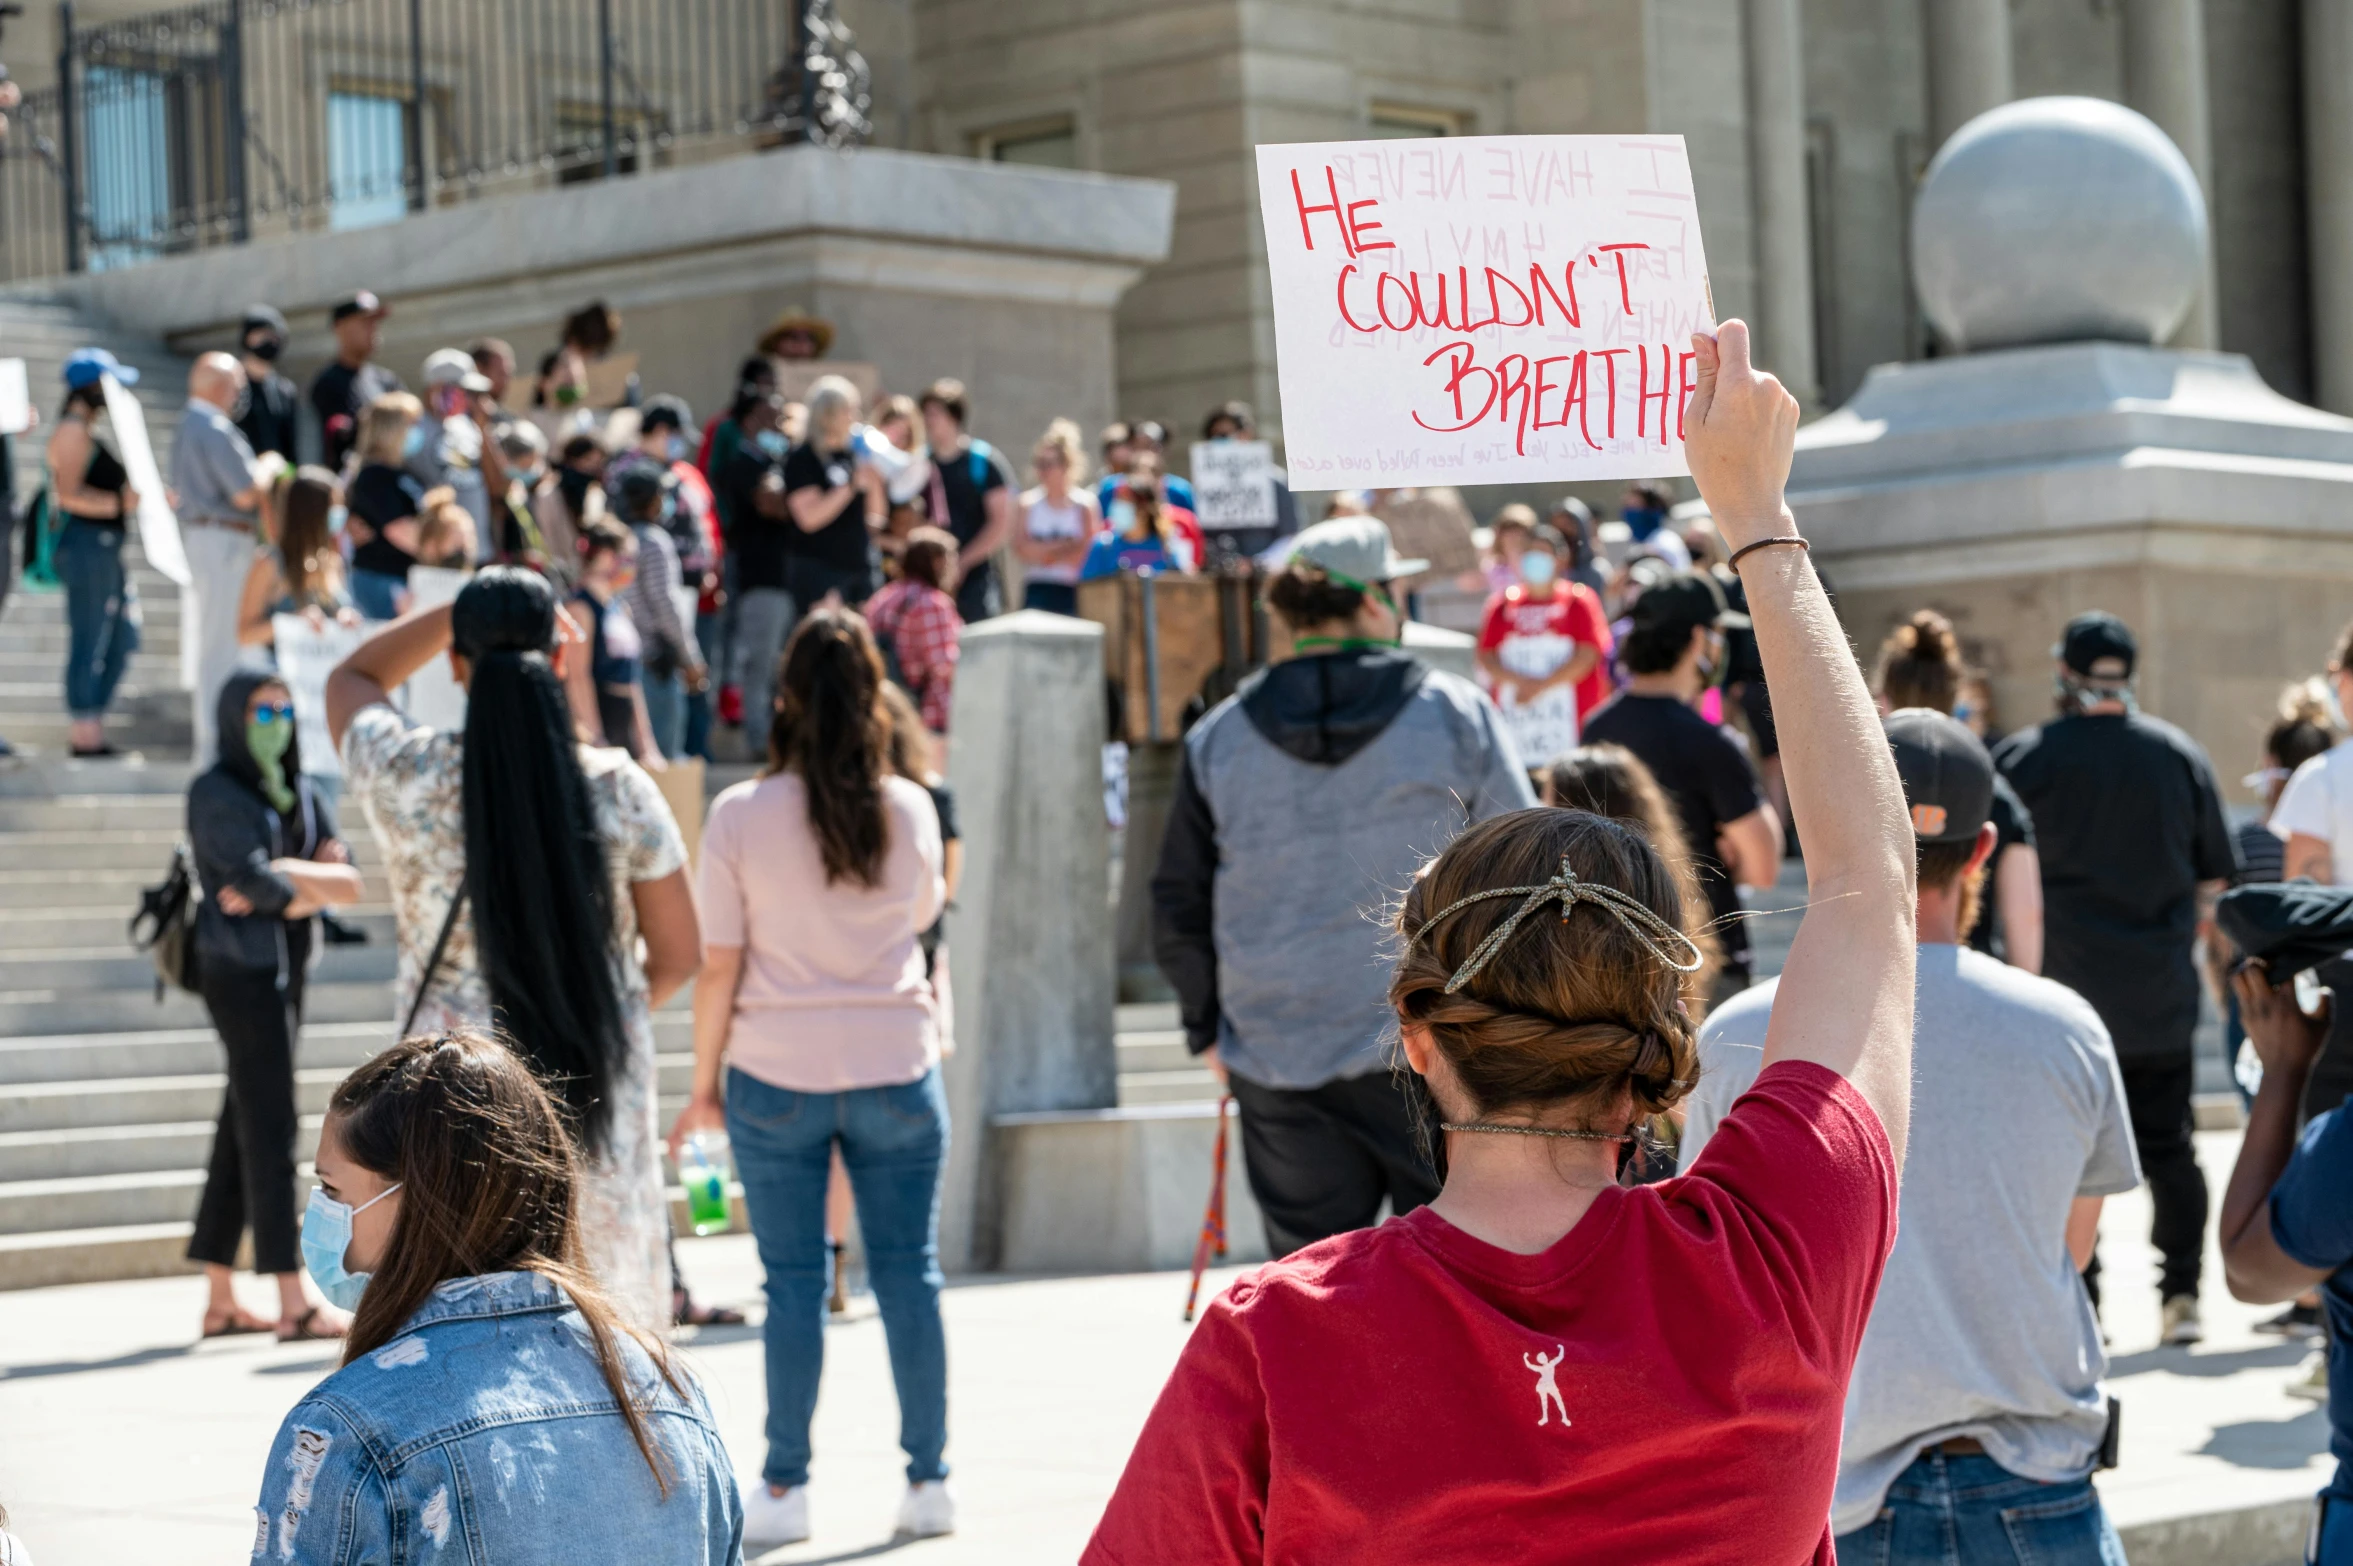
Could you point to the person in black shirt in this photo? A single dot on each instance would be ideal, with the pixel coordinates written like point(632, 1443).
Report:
point(835, 502)
point(1674, 652)
point(750, 487)
point(382, 502)
point(342, 391)
point(268, 414)
point(971, 496)
point(2134, 848)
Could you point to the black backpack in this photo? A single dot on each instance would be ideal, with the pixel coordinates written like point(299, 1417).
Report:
point(167, 915)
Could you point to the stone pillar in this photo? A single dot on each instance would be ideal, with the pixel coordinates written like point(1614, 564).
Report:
point(2165, 78)
point(2328, 195)
point(1968, 44)
point(1777, 160)
point(1029, 937)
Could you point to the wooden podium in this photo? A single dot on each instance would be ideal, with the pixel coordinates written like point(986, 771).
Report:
point(1169, 640)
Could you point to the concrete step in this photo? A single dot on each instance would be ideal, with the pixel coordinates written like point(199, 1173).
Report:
point(93, 1255)
point(120, 849)
point(87, 1201)
point(1154, 1051)
point(81, 890)
point(96, 1059)
point(52, 777)
point(1194, 1085)
point(92, 813)
point(102, 924)
point(118, 968)
point(49, 1010)
point(88, 1151)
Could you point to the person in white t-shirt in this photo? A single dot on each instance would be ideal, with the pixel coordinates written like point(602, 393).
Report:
point(1058, 522)
point(2315, 815)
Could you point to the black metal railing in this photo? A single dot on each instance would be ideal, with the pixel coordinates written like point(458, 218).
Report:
point(218, 122)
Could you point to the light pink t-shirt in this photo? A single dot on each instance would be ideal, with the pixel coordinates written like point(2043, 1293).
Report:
point(833, 995)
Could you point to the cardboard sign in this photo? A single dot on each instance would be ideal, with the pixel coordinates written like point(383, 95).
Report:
point(305, 658)
point(794, 378)
point(1483, 309)
point(1234, 483)
point(159, 530)
point(16, 398)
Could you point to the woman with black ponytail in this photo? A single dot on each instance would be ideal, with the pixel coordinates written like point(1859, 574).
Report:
point(524, 868)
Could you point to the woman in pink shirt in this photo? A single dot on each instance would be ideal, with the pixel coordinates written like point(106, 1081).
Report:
point(818, 879)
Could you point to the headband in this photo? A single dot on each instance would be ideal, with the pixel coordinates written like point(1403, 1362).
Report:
point(1638, 918)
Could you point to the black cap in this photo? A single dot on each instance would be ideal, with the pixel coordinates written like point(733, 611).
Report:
point(2091, 637)
point(1948, 774)
point(1685, 598)
point(361, 303)
point(260, 316)
point(665, 412)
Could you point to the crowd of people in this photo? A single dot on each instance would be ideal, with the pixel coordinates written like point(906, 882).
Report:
point(1628, 1183)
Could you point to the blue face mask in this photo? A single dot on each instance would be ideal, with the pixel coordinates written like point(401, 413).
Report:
point(336, 517)
point(679, 450)
point(326, 1235)
point(415, 444)
point(1537, 567)
point(773, 443)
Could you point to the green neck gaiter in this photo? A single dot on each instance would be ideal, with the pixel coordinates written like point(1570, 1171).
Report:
point(269, 743)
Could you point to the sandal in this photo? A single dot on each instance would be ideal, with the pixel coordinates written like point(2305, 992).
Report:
point(686, 1313)
point(305, 1329)
point(238, 1323)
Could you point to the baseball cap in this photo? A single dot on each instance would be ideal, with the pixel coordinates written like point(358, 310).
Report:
point(1357, 548)
point(454, 367)
point(1947, 772)
point(665, 412)
point(259, 316)
point(361, 303)
point(2091, 637)
point(1682, 599)
point(85, 365)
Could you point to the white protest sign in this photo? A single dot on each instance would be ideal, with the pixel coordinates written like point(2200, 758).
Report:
point(1233, 483)
point(306, 656)
point(1483, 309)
point(159, 530)
point(16, 398)
point(435, 698)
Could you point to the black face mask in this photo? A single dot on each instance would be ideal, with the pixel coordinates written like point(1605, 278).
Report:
point(266, 350)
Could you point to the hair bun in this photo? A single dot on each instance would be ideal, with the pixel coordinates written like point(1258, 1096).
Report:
point(1927, 635)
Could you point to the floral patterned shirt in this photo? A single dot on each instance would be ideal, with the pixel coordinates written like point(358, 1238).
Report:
point(408, 779)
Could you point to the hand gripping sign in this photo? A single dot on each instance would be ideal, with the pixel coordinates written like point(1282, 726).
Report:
point(1483, 309)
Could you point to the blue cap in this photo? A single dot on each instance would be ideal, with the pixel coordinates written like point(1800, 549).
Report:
point(85, 365)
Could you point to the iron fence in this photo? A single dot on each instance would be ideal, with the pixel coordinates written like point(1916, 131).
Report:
point(218, 122)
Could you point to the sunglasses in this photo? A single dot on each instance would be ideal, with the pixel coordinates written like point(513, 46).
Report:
point(274, 712)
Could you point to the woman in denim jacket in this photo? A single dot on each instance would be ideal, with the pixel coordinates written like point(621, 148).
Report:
point(490, 1397)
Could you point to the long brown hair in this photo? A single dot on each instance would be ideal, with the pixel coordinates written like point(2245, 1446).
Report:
point(307, 556)
point(1610, 780)
point(1568, 1011)
point(489, 1182)
point(910, 740)
point(832, 729)
point(1920, 664)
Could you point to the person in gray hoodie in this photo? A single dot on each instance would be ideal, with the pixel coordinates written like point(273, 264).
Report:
point(267, 858)
point(1306, 802)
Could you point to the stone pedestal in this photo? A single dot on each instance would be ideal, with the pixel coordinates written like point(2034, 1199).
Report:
point(2015, 489)
point(1030, 934)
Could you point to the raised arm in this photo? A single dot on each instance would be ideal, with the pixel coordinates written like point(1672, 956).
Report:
point(383, 663)
point(1845, 999)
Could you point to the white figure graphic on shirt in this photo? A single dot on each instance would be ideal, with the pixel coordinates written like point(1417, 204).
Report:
point(1548, 1395)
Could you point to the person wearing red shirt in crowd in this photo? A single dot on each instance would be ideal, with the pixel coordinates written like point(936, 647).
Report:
point(1543, 1363)
point(1542, 646)
point(916, 624)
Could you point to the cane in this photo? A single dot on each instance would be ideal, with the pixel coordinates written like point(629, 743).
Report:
point(1213, 1222)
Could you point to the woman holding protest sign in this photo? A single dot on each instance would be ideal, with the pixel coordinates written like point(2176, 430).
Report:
point(1686, 1345)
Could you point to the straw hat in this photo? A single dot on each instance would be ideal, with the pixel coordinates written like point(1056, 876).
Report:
point(798, 320)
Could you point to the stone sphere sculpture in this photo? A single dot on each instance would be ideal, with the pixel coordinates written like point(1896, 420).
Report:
point(2058, 220)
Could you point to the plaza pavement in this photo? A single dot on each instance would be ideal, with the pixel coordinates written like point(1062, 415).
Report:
point(123, 1445)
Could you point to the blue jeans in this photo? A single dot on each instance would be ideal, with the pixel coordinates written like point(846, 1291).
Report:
point(893, 1141)
point(1053, 597)
point(2331, 1541)
point(665, 712)
point(376, 594)
point(1971, 1511)
point(102, 616)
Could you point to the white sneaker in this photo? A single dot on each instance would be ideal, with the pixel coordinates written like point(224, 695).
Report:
point(770, 1519)
point(2183, 1326)
point(2311, 1377)
point(927, 1511)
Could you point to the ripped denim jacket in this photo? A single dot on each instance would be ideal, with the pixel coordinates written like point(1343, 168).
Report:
point(484, 1433)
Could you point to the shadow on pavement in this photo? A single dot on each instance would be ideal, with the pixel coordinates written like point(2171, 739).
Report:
point(867, 1552)
point(2271, 1443)
point(2188, 1362)
point(74, 1367)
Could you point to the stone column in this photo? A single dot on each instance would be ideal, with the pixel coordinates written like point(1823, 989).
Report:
point(1029, 941)
point(2165, 78)
point(1968, 45)
point(2328, 195)
point(1777, 159)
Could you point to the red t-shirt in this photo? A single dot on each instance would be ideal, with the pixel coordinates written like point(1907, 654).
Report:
point(1665, 1383)
point(1570, 614)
